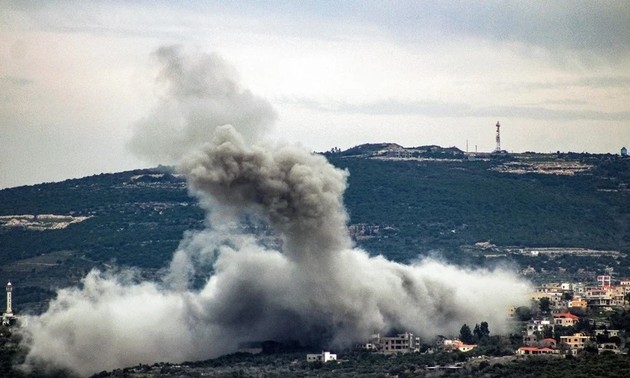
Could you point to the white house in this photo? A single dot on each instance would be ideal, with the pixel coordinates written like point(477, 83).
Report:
point(323, 357)
point(607, 332)
point(538, 325)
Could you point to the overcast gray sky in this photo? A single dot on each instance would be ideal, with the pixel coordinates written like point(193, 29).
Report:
point(75, 76)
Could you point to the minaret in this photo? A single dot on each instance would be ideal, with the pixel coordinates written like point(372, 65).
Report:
point(498, 149)
point(9, 290)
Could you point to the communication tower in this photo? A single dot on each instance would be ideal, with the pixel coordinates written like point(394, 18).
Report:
point(498, 149)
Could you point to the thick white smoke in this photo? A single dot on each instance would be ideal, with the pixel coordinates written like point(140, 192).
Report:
point(199, 93)
point(315, 288)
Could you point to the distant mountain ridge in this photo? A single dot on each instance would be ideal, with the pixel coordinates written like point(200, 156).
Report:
point(393, 149)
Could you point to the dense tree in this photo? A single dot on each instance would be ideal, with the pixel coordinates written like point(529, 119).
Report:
point(544, 304)
point(484, 328)
point(523, 313)
point(583, 325)
point(577, 311)
point(477, 333)
point(481, 332)
point(466, 335)
point(620, 320)
point(559, 330)
point(567, 296)
point(547, 332)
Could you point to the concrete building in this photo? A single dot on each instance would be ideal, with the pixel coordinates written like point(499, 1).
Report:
point(608, 347)
point(577, 302)
point(323, 357)
point(528, 351)
point(576, 342)
point(537, 326)
point(535, 331)
point(401, 343)
point(610, 296)
point(511, 312)
point(565, 319)
point(604, 281)
point(554, 295)
point(579, 288)
point(607, 332)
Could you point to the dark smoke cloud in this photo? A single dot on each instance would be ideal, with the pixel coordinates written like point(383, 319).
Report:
point(200, 92)
point(299, 193)
point(316, 288)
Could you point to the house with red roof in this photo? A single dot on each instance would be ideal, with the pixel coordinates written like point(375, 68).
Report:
point(528, 351)
point(548, 342)
point(565, 319)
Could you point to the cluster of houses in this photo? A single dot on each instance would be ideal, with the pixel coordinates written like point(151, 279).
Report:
point(579, 295)
point(401, 343)
point(562, 298)
point(537, 334)
point(407, 343)
point(537, 337)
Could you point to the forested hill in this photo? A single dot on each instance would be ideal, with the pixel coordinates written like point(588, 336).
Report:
point(402, 203)
point(530, 201)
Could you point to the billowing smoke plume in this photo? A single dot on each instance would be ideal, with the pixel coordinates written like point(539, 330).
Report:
point(315, 287)
point(299, 193)
point(199, 93)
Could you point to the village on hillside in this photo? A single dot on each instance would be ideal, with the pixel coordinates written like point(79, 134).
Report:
point(565, 318)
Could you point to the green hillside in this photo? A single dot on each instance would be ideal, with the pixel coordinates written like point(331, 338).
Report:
point(433, 204)
point(431, 201)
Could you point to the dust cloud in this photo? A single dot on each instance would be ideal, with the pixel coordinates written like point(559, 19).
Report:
point(197, 93)
point(313, 285)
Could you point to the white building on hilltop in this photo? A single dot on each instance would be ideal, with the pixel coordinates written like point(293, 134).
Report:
point(323, 357)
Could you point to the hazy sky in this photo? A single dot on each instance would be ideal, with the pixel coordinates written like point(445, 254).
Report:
point(76, 76)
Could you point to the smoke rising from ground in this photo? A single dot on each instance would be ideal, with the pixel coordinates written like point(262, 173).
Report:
point(199, 93)
point(299, 193)
point(316, 288)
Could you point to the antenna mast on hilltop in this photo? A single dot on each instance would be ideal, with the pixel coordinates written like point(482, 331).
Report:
point(498, 149)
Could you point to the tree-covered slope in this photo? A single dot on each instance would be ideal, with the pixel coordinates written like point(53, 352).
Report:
point(136, 217)
point(432, 204)
point(400, 208)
